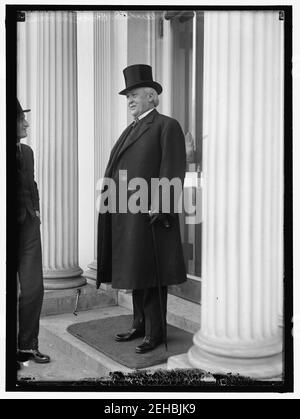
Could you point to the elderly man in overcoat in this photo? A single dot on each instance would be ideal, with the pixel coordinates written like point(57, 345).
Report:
point(153, 147)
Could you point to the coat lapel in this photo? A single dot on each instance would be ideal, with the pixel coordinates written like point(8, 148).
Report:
point(115, 151)
point(133, 138)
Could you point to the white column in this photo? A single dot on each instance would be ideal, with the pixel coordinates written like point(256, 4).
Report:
point(280, 270)
point(86, 147)
point(52, 85)
point(110, 58)
point(242, 220)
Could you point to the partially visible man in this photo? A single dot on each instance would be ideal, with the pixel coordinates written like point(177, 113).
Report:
point(29, 261)
point(153, 147)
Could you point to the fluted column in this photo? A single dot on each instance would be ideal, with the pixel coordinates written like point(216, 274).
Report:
point(280, 270)
point(51, 57)
point(110, 57)
point(242, 220)
point(57, 120)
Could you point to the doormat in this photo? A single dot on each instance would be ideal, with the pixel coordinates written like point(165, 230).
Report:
point(100, 335)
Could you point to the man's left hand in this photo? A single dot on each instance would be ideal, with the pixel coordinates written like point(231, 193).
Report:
point(37, 213)
point(160, 218)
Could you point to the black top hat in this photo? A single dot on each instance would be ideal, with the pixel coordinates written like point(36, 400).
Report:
point(19, 108)
point(139, 75)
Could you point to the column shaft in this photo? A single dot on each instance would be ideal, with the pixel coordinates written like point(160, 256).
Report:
point(242, 221)
point(53, 95)
point(110, 58)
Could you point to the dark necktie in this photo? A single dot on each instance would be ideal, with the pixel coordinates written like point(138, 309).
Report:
point(135, 122)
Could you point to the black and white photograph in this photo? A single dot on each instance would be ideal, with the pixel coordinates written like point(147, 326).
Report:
point(148, 205)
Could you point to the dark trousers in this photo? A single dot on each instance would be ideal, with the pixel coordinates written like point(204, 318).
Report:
point(147, 311)
point(30, 282)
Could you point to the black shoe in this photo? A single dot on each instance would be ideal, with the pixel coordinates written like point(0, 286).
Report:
point(148, 345)
point(22, 356)
point(130, 335)
point(35, 355)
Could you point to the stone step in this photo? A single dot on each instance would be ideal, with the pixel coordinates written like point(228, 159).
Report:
point(61, 368)
point(54, 328)
point(64, 301)
point(81, 360)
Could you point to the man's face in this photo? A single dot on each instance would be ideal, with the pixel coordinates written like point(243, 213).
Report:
point(22, 126)
point(138, 101)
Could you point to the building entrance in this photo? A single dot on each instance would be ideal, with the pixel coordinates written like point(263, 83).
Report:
point(186, 49)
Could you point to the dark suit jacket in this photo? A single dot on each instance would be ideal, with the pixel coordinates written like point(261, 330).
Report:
point(125, 246)
point(27, 191)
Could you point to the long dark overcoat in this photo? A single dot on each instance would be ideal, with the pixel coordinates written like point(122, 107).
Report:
point(27, 191)
point(125, 247)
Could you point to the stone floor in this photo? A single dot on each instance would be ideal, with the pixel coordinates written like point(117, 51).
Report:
point(61, 367)
point(71, 359)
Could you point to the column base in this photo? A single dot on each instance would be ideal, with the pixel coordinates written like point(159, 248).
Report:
point(261, 368)
point(63, 283)
point(91, 273)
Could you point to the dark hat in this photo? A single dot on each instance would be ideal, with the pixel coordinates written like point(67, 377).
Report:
point(139, 75)
point(19, 108)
